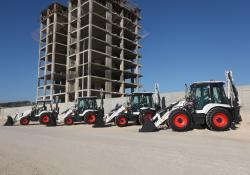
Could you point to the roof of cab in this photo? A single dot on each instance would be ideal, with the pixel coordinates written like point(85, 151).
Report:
point(43, 101)
point(207, 83)
point(141, 93)
point(93, 97)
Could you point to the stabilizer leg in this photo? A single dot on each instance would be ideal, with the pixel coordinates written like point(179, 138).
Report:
point(52, 121)
point(99, 123)
point(148, 126)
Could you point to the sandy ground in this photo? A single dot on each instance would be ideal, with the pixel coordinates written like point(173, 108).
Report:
point(81, 149)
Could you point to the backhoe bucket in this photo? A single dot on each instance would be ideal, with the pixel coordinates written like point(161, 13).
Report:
point(99, 123)
point(9, 122)
point(148, 126)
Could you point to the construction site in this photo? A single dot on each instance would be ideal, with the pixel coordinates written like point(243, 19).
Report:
point(87, 46)
point(91, 116)
point(82, 149)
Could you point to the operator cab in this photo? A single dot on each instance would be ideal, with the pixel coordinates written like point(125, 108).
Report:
point(85, 103)
point(43, 105)
point(140, 100)
point(205, 93)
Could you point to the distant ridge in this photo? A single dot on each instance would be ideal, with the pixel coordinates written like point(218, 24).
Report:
point(16, 104)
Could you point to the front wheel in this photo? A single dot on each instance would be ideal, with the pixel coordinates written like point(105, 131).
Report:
point(44, 119)
point(180, 120)
point(90, 118)
point(219, 119)
point(121, 121)
point(25, 121)
point(68, 121)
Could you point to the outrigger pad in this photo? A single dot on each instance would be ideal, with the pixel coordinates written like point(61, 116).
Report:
point(9, 122)
point(52, 121)
point(99, 123)
point(148, 126)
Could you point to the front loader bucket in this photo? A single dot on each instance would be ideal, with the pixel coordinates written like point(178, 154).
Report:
point(148, 126)
point(9, 122)
point(99, 123)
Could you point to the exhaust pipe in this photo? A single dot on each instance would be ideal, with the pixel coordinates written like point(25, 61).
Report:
point(148, 126)
point(9, 122)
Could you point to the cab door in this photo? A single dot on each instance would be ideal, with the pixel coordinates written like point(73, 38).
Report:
point(202, 96)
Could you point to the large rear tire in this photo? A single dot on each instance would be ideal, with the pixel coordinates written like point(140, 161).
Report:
point(90, 118)
point(180, 120)
point(121, 121)
point(219, 119)
point(145, 116)
point(25, 121)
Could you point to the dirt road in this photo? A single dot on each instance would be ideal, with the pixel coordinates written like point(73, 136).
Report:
point(37, 150)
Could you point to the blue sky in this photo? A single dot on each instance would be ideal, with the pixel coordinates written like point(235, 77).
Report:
point(189, 40)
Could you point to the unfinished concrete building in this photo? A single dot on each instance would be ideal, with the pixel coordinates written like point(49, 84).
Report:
point(94, 46)
point(53, 53)
point(103, 48)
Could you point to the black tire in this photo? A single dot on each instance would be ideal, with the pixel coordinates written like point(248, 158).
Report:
point(25, 121)
point(179, 120)
point(146, 115)
point(90, 118)
point(121, 120)
point(68, 121)
point(219, 119)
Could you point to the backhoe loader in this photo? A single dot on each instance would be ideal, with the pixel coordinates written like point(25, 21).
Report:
point(84, 110)
point(139, 108)
point(41, 112)
point(206, 103)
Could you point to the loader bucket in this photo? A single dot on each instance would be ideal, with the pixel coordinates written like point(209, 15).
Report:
point(148, 126)
point(9, 122)
point(99, 123)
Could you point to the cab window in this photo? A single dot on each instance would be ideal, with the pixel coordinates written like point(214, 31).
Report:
point(202, 96)
point(135, 100)
point(218, 95)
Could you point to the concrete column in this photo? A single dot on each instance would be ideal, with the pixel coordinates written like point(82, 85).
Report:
point(68, 53)
point(46, 55)
point(108, 61)
point(122, 66)
point(53, 56)
point(90, 47)
point(83, 68)
point(78, 48)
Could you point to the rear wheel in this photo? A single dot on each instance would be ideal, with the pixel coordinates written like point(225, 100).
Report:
point(90, 118)
point(146, 116)
point(44, 119)
point(180, 120)
point(121, 121)
point(25, 121)
point(219, 119)
point(68, 121)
